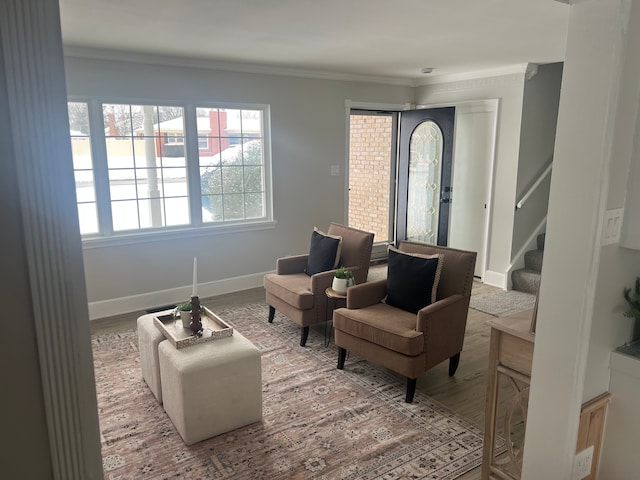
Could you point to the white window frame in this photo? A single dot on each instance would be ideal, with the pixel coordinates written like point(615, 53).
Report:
point(108, 237)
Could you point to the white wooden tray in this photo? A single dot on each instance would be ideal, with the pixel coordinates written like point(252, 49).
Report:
point(213, 328)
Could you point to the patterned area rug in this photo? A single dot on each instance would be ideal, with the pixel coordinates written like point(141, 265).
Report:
point(318, 422)
point(501, 304)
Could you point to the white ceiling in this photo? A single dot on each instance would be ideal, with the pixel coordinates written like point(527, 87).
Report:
point(373, 38)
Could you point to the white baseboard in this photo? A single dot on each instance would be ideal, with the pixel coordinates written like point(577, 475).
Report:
point(495, 279)
point(134, 303)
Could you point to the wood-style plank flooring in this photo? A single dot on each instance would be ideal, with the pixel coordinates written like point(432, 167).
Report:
point(464, 393)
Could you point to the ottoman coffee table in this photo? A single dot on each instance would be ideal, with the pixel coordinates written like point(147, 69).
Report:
point(148, 339)
point(211, 388)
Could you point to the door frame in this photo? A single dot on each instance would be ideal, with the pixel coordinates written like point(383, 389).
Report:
point(490, 105)
point(379, 251)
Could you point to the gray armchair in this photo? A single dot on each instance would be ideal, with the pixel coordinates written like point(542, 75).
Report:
point(302, 297)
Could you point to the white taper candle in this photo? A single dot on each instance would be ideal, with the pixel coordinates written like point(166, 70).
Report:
point(194, 293)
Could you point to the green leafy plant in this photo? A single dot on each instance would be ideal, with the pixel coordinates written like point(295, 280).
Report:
point(184, 307)
point(342, 273)
point(633, 300)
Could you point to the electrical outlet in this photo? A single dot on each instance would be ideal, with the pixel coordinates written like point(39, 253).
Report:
point(582, 463)
point(612, 226)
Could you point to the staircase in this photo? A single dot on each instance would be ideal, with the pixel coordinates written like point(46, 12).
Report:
point(527, 279)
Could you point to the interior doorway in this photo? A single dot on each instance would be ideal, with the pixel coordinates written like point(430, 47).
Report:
point(375, 181)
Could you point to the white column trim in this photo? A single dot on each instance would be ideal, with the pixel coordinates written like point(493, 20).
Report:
point(32, 49)
point(569, 273)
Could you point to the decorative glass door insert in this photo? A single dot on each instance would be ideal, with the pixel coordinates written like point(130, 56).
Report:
point(425, 173)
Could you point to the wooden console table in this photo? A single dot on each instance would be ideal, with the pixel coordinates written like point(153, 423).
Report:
point(511, 355)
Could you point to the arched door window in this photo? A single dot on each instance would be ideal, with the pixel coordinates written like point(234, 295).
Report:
point(425, 172)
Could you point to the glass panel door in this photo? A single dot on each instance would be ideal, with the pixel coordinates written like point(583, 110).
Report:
point(425, 171)
point(425, 156)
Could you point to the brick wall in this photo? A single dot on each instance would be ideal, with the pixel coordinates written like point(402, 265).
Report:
point(369, 174)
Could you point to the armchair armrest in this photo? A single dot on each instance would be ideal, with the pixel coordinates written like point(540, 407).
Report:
point(443, 324)
point(321, 281)
point(366, 294)
point(440, 309)
point(293, 264)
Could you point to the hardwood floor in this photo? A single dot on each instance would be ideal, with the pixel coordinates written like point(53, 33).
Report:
point(464, 393)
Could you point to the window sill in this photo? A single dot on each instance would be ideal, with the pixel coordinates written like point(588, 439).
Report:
point(120, 239)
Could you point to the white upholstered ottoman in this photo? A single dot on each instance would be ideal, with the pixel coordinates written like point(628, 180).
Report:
point(211, 388)
point(149, 336)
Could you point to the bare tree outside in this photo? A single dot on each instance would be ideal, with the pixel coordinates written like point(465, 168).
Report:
point(78, 117)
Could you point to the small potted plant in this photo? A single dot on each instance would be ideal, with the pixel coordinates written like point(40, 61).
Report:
point(184, 312)
point(633, 299)
point(342, 280)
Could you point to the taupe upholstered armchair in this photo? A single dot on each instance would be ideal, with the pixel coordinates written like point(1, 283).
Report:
point(302, 297)
point(405, 342)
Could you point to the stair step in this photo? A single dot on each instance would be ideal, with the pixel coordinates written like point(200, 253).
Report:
point(525, 280)
point(540, 241)
point(533, 260)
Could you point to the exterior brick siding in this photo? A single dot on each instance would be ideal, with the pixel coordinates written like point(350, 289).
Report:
point(369, 173)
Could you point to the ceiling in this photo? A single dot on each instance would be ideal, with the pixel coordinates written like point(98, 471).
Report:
point(392, 39)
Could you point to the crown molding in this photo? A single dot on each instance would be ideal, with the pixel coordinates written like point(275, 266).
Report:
point(520, 68)
point(189, 62)
point(207, 64)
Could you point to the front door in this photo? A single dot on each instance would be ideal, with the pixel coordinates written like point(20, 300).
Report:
point(424, 175)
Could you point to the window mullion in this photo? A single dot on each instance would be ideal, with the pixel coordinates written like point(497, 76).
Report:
point(100, 169)
point(193, 165)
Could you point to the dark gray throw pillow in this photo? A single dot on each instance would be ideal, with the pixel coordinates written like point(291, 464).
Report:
point(412, 279)
point(324, 252)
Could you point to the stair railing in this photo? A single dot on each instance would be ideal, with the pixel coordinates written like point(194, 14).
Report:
point(535, 185)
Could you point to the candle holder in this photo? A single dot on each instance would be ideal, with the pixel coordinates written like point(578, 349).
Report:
point(196, 322)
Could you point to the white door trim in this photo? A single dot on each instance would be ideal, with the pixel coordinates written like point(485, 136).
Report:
point(479, 106)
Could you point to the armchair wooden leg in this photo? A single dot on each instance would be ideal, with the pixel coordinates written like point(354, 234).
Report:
point(342, 355)
point(453, 364)
point(303, 336)
point(272, 313)
point(411, 389)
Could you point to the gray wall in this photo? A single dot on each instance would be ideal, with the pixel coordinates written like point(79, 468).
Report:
point(308, 136)
point(618, 266)
point(618, 269)
point(537, 139)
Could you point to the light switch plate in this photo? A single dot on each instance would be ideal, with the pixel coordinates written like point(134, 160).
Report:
point(612, 226)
